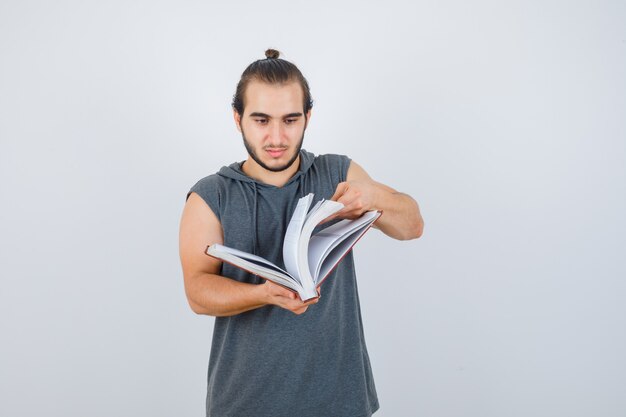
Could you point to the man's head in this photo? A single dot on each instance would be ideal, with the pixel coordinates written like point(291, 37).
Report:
point(271, 70)
point(272, 106)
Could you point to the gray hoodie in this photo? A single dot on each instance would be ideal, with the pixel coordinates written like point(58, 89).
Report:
point(269, 361)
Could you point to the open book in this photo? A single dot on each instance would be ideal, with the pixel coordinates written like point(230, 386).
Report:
point(308, 258)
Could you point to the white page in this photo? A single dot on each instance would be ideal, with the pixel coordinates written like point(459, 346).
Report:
point(323, 240)
point(344, 233)
point(217, 249)
point(313, 210)
point(336, 252)
point(254, 268)
point(292, 236)
point(327, 208)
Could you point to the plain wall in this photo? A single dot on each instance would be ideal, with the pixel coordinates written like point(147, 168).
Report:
point(504, 120)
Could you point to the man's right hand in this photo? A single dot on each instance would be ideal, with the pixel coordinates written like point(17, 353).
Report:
point(282, 297)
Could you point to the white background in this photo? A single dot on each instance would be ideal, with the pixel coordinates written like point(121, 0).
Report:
point(505, 120)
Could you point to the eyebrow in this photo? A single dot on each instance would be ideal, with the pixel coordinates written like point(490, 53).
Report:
point(267, 116)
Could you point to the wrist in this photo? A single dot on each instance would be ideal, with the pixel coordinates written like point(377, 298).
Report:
point(261, 294)
point(378, 197)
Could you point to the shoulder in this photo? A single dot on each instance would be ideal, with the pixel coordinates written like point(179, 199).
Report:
point(210, 189)
point(209, 182)
point(335, 163)
point(331, 158)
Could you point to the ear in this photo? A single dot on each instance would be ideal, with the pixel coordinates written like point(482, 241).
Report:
point(237, 120)
point(308, 118)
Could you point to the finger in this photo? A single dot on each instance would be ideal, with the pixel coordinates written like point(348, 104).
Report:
point(299, 310)
point(344, 213)
point(352, 203)
point(309, 302)
point(353, 214)
point(284, 292)
point(341, 214)
point(352, 208)
point(280, 291)
point(350, 198)
point(342, 187)
point(346, 199)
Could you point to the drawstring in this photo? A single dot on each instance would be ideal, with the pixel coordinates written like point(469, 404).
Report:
point(255, 243)
point(255, 231)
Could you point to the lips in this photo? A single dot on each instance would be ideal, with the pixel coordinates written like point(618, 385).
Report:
point(275, 153)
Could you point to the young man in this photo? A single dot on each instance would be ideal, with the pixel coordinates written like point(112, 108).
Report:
point(266, 360)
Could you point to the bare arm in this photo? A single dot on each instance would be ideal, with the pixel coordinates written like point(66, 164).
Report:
point(207, 291)
point(401, 217)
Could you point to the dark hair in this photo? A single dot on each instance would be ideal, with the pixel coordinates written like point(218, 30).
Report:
point(271, 70)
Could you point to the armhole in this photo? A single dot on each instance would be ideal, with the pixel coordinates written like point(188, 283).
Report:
point(345, 166)
point(336, 167)
point(209, 192)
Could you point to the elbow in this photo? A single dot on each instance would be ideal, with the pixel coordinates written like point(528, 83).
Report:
point(416, 228)
point(414, 232)
point(420, 230)
point(406, 232)
point(197, 309)
point(202, 310)
point(194, 299)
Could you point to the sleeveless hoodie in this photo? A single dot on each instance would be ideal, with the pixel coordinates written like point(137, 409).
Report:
point(270, 362)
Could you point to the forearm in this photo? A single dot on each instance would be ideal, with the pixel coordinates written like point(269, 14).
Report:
point(216, 295)
point(401, 217)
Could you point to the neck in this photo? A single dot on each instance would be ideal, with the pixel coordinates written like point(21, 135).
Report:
point(277, 179)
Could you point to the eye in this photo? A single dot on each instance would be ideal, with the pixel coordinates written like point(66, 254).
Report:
point(261, 121)
point(290, 121)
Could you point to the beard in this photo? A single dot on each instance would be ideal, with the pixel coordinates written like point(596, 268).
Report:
point(279, 168)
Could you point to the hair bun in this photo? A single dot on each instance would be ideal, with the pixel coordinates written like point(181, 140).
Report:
point(272, 54)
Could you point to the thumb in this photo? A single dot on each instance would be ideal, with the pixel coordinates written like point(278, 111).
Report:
point(342, 187)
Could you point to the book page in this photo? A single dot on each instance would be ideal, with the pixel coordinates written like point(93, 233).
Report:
point(313, 210)
point(254, 265)
point(217, 249)
point(328, 246)
point(324, 210)
point(292, 236)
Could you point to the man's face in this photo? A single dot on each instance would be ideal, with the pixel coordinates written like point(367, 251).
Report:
point(273, 124)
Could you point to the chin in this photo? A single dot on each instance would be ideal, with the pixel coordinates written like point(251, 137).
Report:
point(283, 163)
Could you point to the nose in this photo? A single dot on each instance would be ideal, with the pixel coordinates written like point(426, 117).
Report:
point(276, 132)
